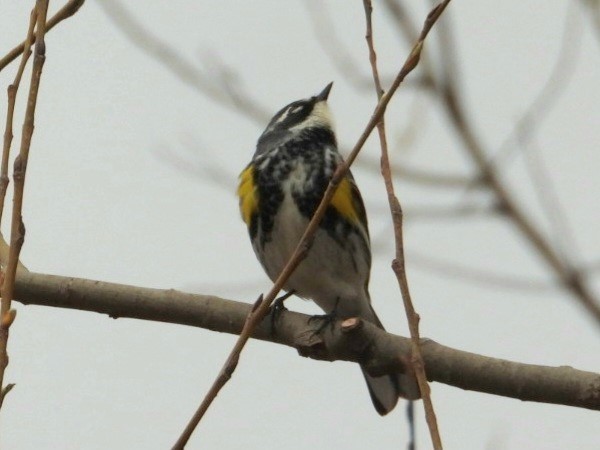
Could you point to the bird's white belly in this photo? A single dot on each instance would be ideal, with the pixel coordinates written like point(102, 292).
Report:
point(329, 273)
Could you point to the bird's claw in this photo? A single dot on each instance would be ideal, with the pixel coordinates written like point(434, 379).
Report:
point(326, 319)
point(277, 308)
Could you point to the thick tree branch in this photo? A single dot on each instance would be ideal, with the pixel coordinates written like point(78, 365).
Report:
point(351, 340)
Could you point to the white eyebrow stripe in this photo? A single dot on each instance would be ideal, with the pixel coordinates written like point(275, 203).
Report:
point(320, 116)
point(283, 116)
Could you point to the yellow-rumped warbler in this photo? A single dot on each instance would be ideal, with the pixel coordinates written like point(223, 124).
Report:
point(280, 190)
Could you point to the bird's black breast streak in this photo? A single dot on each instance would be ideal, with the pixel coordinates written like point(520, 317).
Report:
point(308, 149)
point(270, 194)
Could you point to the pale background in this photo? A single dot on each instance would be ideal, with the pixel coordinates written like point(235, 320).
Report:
point(107, 200)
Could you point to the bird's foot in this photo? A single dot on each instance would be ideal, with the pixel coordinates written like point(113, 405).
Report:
point(325, 319)
point(277, 308)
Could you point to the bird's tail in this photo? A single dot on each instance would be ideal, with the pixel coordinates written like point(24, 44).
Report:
point(387, 389)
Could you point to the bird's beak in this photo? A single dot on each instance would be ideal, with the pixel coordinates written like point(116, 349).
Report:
point(324, 93)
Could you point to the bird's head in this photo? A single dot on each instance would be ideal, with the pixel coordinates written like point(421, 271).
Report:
point(296, 117)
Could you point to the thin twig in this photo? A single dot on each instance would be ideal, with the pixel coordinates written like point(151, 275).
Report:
point(4, 254)
point(420, 374)
point(477, 275)
point(413, 213)
point(590, 269)
point(12, 97)
point(571, 280)
point(17, 232)
point(70, 8)
point(426, 177)
point(338, 54)
point(299, 254)
point(199, 162)
point(594, 15)
point(448, 94)
point(561, 232)
point(176, 63)
point(553, 89)
point(525, 131)
point(8, 136)
point(410, 33)
point(464, 211)
point(398, 263)
point(521, 137)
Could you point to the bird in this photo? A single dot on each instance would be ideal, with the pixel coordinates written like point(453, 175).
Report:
point(279, 191)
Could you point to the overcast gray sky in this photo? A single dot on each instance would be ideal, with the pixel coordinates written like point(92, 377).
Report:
point(116, 192)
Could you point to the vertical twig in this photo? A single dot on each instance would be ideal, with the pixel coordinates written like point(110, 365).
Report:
point(398, 264)
point(17, 232)
point(12, 97)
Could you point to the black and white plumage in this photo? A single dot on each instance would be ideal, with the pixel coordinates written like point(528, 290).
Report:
point(279, 192)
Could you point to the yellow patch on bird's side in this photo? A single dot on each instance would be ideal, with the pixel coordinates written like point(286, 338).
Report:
point(343, 201)
point(247, 193)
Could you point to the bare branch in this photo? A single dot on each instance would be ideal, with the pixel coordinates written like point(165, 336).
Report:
point(70, 8)
point(448, 93)
point(590, 269)
point(451, 269)
point(594, 9)
point(223, 94)
point(425, 177)
point(12, 98)
point(462, 211)
point(525, 129)
point(560, 229)
point(17, 232)
point(524, 132)
point(570, 279)
point(345, 341)
point(198, 163)
point(341, 58)
point(410, 33)
point(551, 91)
point(4, 392)
point(406, 25)
point(4, 254)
